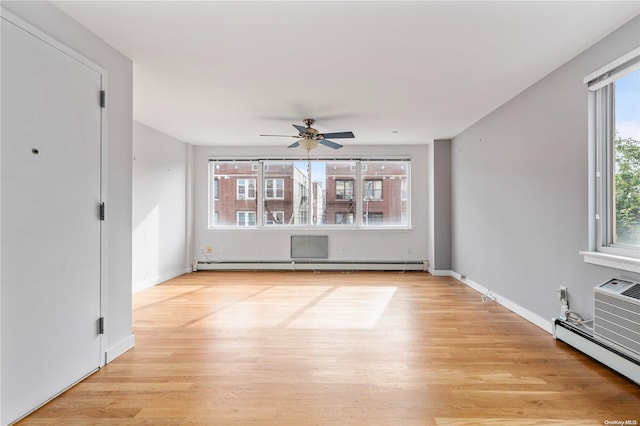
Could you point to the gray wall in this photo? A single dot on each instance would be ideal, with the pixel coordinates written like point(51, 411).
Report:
point(440, 216)
point(160, 186)
point(519, 190)
point(119, 79)
point(344, 244)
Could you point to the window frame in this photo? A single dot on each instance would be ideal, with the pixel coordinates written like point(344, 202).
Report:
point(603, 250)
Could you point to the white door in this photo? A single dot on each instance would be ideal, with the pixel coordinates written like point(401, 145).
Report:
point(50, 166)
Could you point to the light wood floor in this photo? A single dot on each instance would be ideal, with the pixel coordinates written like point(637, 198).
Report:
point(331, 348)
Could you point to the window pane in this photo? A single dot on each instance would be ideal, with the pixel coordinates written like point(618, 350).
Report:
point(233, 193)
point(286, 193)
point(385, 194)
point(340, 196)
point(627, 160)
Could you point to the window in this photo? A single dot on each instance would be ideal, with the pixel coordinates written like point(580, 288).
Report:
point(626, 168)
point(246, 189)
point(385, 193)
point(273, 218)
point(344, 218)
point(274, 189)
point(615, 142)
point(233, 190)
point(373, 190)
point(246, 218)
point(374, 218)
point(216, 188)
point(344, 189)
point(404, 190)
point(303, 192)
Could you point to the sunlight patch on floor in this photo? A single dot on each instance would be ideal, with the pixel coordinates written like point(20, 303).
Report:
point(347, 308)
point(305, 307)
point(267, 309)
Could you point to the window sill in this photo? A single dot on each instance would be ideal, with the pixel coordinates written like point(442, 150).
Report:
point(612, 261)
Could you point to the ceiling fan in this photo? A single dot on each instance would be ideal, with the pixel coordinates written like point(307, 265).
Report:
point(309, 137)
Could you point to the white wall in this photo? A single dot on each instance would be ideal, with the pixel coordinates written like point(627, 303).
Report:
point(344, 245)
point(159, 207)
point(119, 79)
point(519, 190)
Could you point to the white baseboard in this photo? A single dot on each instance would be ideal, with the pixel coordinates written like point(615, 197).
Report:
point(119, 348)
point(159, 279)
point(533, 318)
point(304, 265)
point(441, 272)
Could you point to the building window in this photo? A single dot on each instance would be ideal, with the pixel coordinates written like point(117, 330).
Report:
point(246, 189)
point(404, 190)
point(216, 188)
point(344, 189)
point(274, 218)
point(246, 218)
point(344, 218)
point(373, 190)
point(373, 218)
point(615, 124)
point(274, 189)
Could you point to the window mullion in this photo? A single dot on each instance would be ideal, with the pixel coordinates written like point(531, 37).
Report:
point(260, 187)
point(358, 194)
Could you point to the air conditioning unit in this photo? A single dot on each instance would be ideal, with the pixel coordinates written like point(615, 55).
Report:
point(616, 318)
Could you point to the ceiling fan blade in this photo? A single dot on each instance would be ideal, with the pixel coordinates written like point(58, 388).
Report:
point(330, 144)
point(294, 145)
point(283, 136)
point(301, 129)
point(338, 135)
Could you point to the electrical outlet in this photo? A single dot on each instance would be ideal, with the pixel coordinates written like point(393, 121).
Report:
point(562, 294)
point(209, 249)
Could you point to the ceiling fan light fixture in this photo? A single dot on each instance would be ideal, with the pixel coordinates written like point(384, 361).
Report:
point(308, 143)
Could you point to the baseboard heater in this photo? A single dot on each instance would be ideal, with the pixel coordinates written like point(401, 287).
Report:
point(597, 349)
point(310, 265)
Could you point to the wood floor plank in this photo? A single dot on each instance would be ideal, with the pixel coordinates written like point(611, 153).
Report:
point(334, 348)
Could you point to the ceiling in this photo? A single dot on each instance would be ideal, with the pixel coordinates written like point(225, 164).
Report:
point(396, 72)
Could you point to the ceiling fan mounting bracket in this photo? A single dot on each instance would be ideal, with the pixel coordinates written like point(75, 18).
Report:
point(308, 121)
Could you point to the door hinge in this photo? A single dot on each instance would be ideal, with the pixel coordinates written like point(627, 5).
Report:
point(101, 325)
point(103, 99)
point(101, 211)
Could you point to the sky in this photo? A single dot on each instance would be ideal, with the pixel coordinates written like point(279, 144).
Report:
point(318, 172)
point(628, 106)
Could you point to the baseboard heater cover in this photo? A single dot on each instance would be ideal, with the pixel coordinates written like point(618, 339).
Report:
point(310, 265)
point(605, 354)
